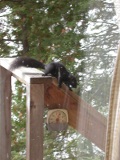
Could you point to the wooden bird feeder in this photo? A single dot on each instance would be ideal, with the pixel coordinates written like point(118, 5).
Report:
point(43, 92)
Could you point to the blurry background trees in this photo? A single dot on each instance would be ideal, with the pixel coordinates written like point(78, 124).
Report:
point(83, 35)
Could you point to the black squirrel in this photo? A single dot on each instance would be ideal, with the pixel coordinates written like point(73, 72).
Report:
point(54, 69)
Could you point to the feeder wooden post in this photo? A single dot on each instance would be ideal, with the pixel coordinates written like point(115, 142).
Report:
point(41, 92)
point(35, 106)
point(5, 114)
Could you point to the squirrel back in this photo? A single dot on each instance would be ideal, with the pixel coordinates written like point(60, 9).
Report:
point(26, 62)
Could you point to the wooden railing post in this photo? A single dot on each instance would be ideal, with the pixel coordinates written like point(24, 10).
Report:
point(35, 107)
point(5, 114)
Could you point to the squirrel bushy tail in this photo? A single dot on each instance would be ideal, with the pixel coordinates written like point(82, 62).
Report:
point(26, 62)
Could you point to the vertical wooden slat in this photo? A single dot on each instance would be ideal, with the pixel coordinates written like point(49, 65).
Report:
point(35, 106)
point(5, 114)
